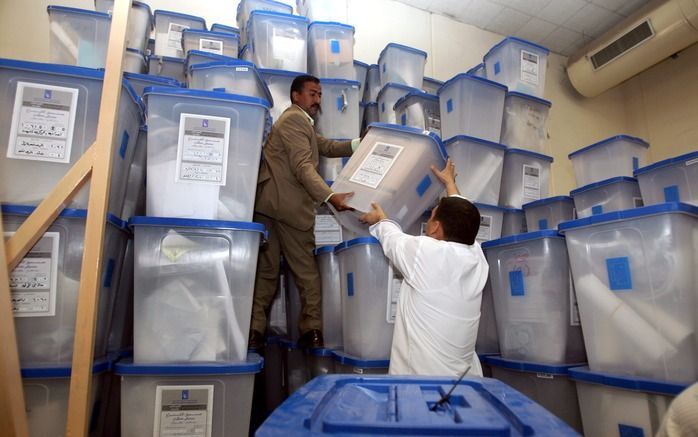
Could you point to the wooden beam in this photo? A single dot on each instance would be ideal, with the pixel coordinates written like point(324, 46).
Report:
point(83, 347)
point(13, 418)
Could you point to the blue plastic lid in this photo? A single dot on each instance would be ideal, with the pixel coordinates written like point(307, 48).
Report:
point(323, 249)
point(626, 382)
point(512, 210)
point(635, 140)
point(526, 366)
point(385, 405)
point(355, 242)
point(520, 238)
point(25, 210)
point(529, 153)
point(345, 82)
point(547, 200)
point(289, 17)
point(466, 76)
point(217, 27)
point(158, 80)
point(644, 211)
point(373, 67)
point(356, 362)
point(200, 94)
point(475, 69)
point(179, 15)
point(237, 63)
point(253, 364)
point(401, 47)
point(166, 59)
point(66, 9)
point(667, 162)
point(529, 97)
point(197, 223)
point(288, 343)
point(213, 56)
point(273, 72)
point(332, 24)
point(514, 39)
point(432, 80)
point(419, 95)
point(457, 138)
point(361, 64)
point(605, 182)
point(61, 371)
point(322, 352)
point(210, 33)
point(415, 131)
point(479, 205)
point(399, 86)
point(143, 128)
point(370, 103)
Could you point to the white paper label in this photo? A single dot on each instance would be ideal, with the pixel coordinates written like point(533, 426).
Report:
point(485, 231)
point(376, 164)
point(211, 46)
point(394, 283)
point(287, 48)
point(174, 36)
point(43, 119)
point(202, 149)
point(33, 282)
point(183, 410)
point(327, 230)
point(637, 202)
point(574, 307)
point(529, 67)
point(531, 182)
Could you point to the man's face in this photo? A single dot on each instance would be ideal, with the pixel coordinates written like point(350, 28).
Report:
point(309, 98)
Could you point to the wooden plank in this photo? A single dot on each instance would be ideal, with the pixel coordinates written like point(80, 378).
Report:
point(13, 419)
point(83, 354)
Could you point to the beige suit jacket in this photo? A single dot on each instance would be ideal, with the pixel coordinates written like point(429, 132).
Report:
point(289, 186)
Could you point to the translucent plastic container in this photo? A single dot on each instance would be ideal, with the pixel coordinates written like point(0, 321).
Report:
point(431, 86)
point(245, 8)
point(362, 109)
point(402, 65)
point(216, 398)
point(233, 77)
point(379, 406)
point(368, 293)
point(360, 73)
point(347, 364)
point(195, 57)
point(167, 67)
point(169, 27)
point(478, 71)
point(635, 276)
point(134, 200)
point(615, 156)
point(273, 374)
point(225, 44)
point(548, 213)
point(222, 28)
point(615, 194)
point(518, 64)
point(472, 106)
point(323, 10)
point(139, 82)
point(419, 109)
point(134, 62)
point(78, 36)
point(523, 124)
point(388, 97)
point(140, 22)
point(479, 166)
point(45, 331)
point(487, 339)
point(370, 114)
point(491, 217)
point(549, 386)
point(278, 41)
point(671, 180)
point(373, 83)
point(331, 50)
point(279, 83)
point(392, 166)
point(151, 46)
point(340, 109)
point(33, 161)
point(193, 287)
point(533, 298)
point(120, 336)
point(328, 265)
point(514, 222)
point(329, 168)
point(616, 405)
point(46, 392)
point(295, 366)
point(320, 361)
point(525, 178)
point(215, 179)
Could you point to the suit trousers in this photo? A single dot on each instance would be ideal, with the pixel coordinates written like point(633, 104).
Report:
point(297, 248)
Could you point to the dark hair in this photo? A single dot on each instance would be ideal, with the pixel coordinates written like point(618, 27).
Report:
point(459, 218)
point(299, 83)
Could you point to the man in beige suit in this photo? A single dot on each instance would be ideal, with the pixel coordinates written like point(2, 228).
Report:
point(289, 188)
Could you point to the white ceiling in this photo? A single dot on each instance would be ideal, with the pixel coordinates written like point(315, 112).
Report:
point(561, 25)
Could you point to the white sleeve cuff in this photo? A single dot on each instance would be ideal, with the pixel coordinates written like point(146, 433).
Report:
point(355, 144)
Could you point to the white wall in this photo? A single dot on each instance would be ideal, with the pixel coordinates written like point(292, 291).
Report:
point(453, 47)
